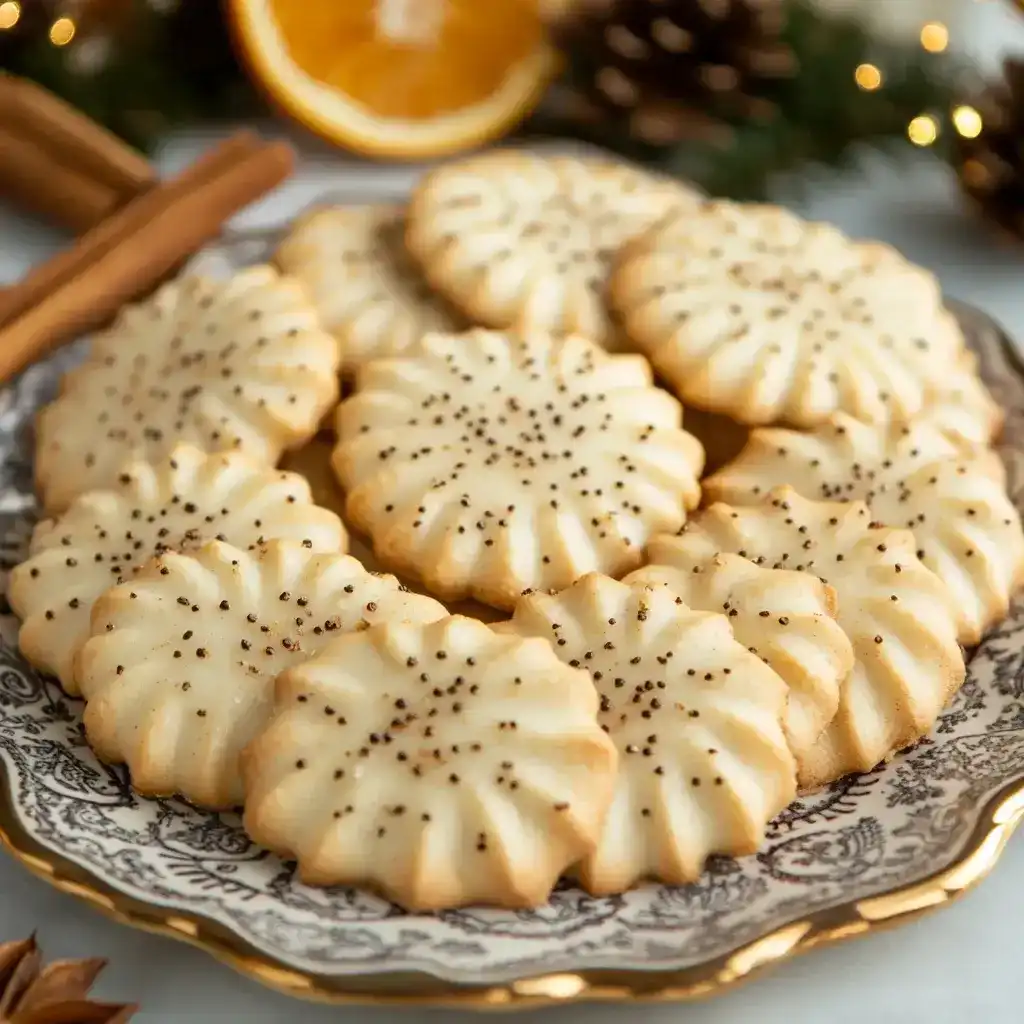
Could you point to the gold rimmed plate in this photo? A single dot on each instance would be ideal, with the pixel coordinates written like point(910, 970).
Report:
point(869, 851)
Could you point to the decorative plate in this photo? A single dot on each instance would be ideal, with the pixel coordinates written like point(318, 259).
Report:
point(868, 850)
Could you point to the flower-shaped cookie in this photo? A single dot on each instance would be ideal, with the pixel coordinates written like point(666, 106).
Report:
point(950, 494)
point(179, 672)
point(962, 406)
point(786, 618)
point(177, 504)
point(235, 365)
point(703, 761)
point(488, 464)
point(516, 239)
point(368, 291)
point(752, 312)
point(443, 764)
point(899, 616)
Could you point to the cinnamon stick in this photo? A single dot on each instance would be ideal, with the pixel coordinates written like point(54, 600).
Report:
point(135, 249)
point(48, 277)
point(36, 182)
point(96, 150)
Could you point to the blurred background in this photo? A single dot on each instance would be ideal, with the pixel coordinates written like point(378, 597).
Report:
point(735, 94)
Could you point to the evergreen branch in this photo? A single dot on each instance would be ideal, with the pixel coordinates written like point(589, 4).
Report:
point(159, 71)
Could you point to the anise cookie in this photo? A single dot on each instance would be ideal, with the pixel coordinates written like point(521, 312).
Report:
point(959, 404)
point(488, 463)
point(949, 494)
point(179, 671)
point(786, 618)
point(899, 616)
point(962, 406)
point(703, 760)
point(754, 313)
point(368, 291)
point(176, 504)
point(442, 764)
point(515, 239)
point(235, 365)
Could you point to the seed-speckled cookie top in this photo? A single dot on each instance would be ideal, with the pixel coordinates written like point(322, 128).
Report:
point(516, 239)
point(752, 312)
point(179, 671)
point(899, 616)
point(235, 365)
point(949, 494)
point(489, 464)
point(786, 618)
point(176, 504)
point(367, 289)
point(442, 764)
point(703, 760)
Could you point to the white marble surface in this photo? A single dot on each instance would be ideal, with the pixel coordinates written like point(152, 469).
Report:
point(954, 965)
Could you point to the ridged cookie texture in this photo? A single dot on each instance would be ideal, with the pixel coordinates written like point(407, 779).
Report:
point(517, 239)
point(899, 616)
point(442, 764)
point(752, 312)
point(489, 463)
point(234, 365)
point(176, 504)
point(368, 291)
point(962, 406)
point(179, 671)
point(697, 719)
point(949, 494)
point(786, 618)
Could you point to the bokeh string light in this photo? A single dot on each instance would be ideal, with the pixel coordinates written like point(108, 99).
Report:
point(868, 77)
point(967, 121)
point(935, 37)
point(10, 14)
point(62, 31)
point(924, 129)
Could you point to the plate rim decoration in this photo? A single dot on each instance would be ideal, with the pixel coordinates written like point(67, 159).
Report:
point(853, 919)
point(993, 823)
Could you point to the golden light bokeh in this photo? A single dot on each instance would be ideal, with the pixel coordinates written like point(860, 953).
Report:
point(868, 77)
point(934, 37)
point(62, 31)
point(923, 130)
point(10, 12)
point(967, 122)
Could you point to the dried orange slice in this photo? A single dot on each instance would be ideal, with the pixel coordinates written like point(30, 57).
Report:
point(399, 78)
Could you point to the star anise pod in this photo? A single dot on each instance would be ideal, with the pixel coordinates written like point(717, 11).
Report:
point(56, 993)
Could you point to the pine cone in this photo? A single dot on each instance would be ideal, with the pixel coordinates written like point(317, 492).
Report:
point(991, 165)
point(98, 15)
point(674, 68)
point(55, 994)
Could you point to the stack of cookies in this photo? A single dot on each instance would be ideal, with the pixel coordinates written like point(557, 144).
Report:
point(593, 659)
